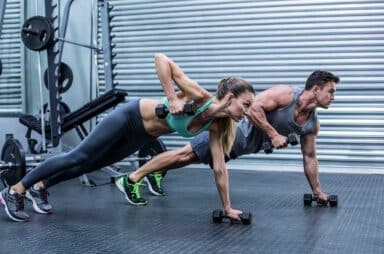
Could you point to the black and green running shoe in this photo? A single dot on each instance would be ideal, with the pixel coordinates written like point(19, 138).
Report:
point(154, 182)
point(131, 191)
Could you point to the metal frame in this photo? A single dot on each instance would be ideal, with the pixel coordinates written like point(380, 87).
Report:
point(53, 67)
point(54, 54)
point(107, 46)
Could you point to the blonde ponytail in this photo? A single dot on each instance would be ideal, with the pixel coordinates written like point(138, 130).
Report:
point(227, 128)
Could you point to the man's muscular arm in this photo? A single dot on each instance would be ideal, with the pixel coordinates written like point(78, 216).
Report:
point(310, 163)
point(271, 99)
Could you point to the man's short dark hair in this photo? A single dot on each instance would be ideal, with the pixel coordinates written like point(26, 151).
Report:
point(320, 78)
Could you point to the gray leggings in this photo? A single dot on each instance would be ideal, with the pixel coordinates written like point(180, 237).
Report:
point(118, 135)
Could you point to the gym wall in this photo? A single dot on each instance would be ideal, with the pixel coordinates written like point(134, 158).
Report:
point(11, 77)
point(268, 43)
point(11, 90)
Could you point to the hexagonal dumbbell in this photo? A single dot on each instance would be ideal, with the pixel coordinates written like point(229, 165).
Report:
point(218, 216)
point(292, 139)
point(162, 111)
point(308, 198)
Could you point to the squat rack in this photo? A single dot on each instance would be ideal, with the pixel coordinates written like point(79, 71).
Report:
point(54, 57)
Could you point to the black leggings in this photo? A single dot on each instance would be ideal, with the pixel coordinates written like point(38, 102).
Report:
point(118, 135)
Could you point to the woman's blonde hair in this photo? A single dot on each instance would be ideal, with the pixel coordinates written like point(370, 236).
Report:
point(227, 126)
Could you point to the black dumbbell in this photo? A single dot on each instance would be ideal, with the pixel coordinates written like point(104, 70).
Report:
point(308, 198)
point(162, 111)
point(218, 216)
point(292, 139)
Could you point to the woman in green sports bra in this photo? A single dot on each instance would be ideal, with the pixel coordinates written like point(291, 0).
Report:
point(217, 114)
point(129, 127)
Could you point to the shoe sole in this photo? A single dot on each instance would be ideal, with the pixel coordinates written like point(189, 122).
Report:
point(34, 204)
point(7, 211)
point(151, 190)
point(121, 188)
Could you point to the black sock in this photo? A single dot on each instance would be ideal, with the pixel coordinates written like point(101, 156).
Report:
point(129, 180)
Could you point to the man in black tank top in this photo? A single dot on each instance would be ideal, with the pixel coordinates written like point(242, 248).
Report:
point(274, 113)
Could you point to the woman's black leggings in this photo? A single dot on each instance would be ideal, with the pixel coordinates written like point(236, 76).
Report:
point(118, 135)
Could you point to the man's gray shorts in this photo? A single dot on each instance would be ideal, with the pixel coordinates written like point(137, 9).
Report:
point(200, 145)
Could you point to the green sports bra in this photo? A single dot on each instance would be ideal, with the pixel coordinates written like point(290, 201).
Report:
point(180, 123)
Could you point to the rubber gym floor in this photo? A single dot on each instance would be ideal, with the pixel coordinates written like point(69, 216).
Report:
point(99, 220)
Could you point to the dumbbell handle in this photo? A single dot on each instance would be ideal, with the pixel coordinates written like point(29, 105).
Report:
point(226, 216)
point(292, 139)
point(315, 198)
point(166, 111)
point(188, 109)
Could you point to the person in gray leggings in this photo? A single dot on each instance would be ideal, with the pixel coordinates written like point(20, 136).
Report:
point(128, 128)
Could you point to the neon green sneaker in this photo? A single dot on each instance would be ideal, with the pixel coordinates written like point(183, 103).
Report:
point(131, 191)
point(154, 181)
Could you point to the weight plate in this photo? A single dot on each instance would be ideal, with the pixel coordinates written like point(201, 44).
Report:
point(13, 152)
point(65, 78)
point(37, 33)
point(151, 149)
point(63, 109)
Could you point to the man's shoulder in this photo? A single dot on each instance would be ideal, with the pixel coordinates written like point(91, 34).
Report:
point(282, 93)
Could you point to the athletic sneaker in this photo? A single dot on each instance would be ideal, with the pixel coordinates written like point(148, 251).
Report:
point(131, 191)
point(39, 199)
point(14, 205)
point(154, 181)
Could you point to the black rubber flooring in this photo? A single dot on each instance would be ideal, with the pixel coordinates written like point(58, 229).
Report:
point(99, 220)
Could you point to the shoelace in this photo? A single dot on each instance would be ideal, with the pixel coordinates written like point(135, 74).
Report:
point(136, 190)
point(19, 202)
point(158, 178)
point(43, 194)
point(136, 186)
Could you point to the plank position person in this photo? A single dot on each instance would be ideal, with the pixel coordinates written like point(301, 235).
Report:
point(274, 114)
point(126, 129)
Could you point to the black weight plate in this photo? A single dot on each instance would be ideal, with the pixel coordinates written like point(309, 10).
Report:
point(37, 33)
point(151, 149)
point(13, 152)
point(217, 216)
point(64, 108)
point(1, 67)
point(65, 77)
point(307, 198)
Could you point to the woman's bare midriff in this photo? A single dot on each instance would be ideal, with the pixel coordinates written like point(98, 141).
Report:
point(152, 124)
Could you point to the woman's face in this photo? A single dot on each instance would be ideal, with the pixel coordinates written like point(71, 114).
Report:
point(237, 106)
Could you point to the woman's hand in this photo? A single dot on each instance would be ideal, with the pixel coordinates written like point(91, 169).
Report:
point(233, 214)
point(175, 106)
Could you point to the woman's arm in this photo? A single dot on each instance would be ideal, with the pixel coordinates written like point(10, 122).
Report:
point(221, 173)
point(168, 71)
